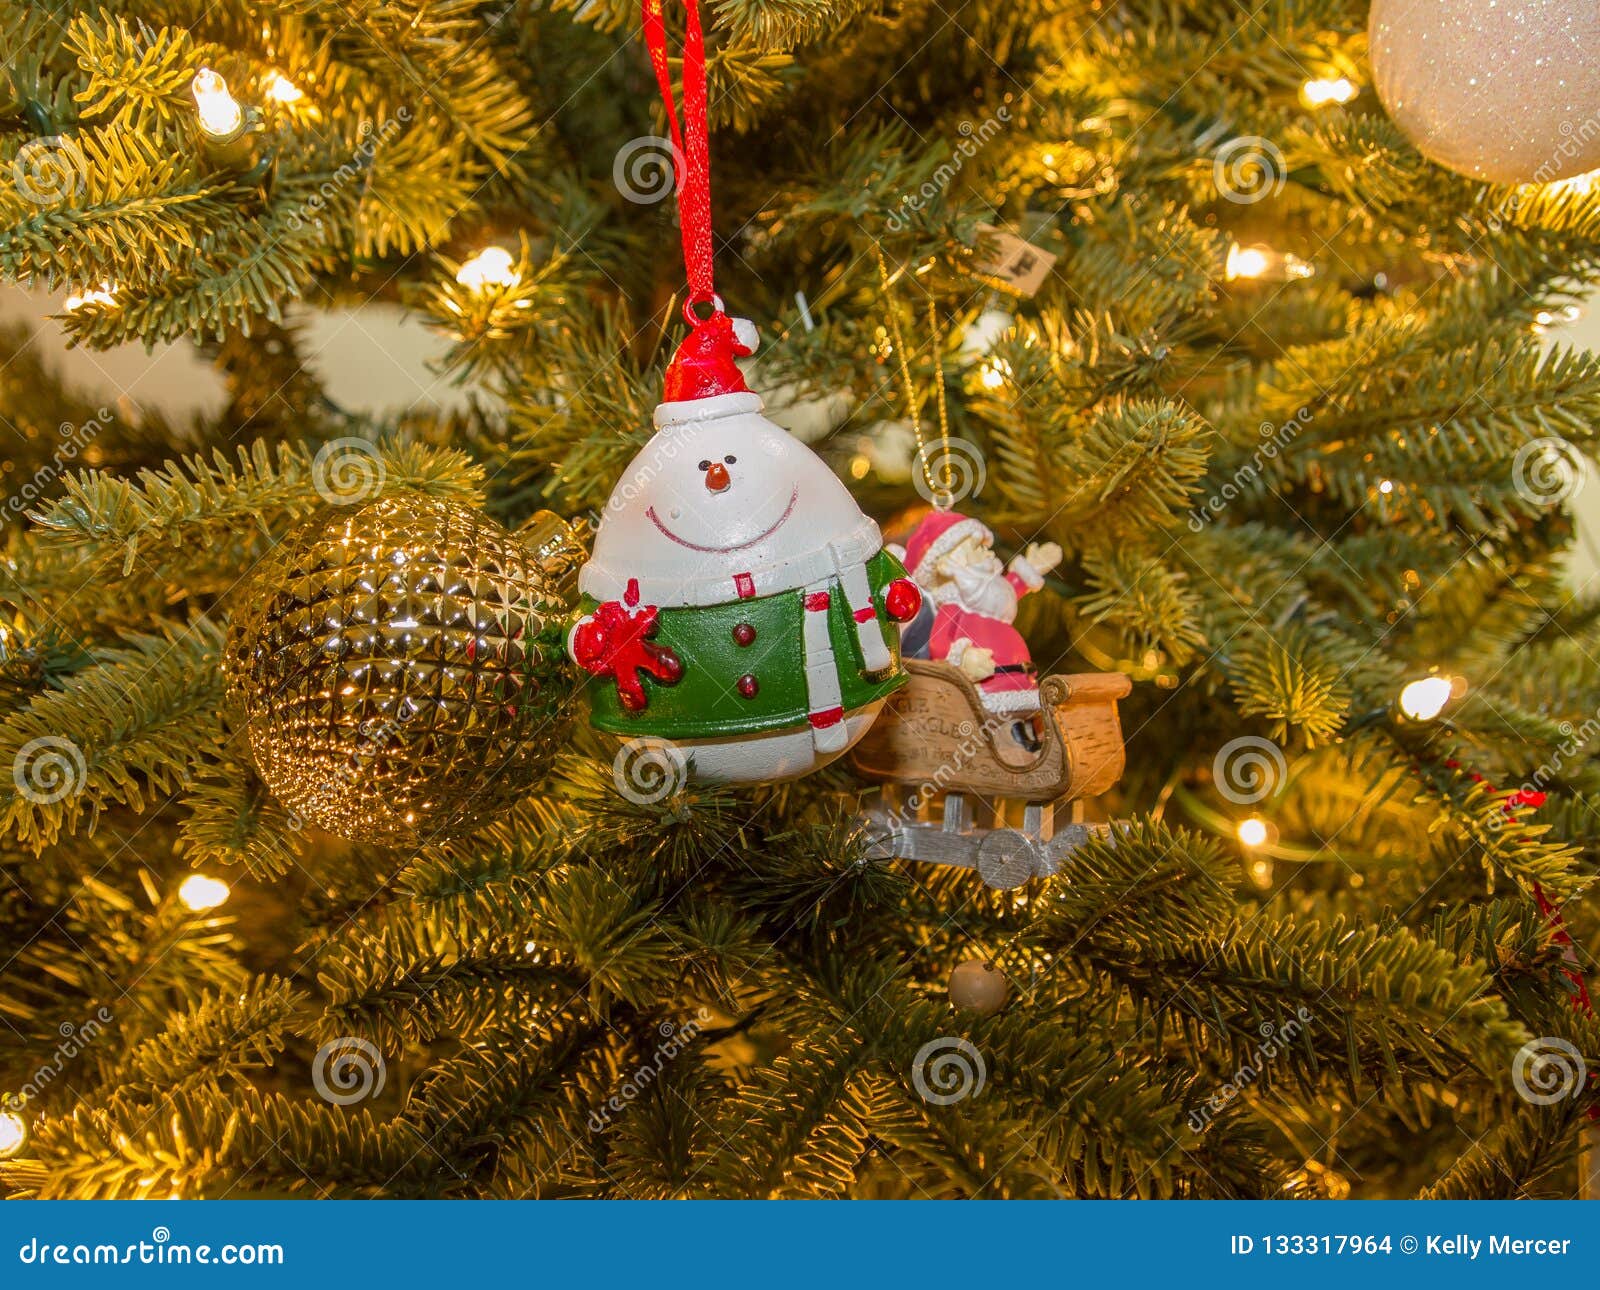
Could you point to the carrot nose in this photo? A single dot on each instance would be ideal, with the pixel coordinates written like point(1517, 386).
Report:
point(716, 477)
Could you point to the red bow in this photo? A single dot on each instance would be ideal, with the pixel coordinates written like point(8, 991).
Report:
point(612, 642)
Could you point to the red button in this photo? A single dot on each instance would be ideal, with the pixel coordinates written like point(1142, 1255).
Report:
point(748, 686)
point(902, 600)
point(744, 634)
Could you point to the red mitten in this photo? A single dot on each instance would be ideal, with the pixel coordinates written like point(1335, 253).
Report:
point(612, 642)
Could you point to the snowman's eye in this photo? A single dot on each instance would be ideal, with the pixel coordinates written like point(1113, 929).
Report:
point(705, 465)
point(730, 460)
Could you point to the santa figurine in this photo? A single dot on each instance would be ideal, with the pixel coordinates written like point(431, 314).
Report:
point(970, 605)
point(738, 603)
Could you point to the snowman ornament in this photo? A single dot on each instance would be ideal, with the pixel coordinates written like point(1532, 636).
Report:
point(738, 604)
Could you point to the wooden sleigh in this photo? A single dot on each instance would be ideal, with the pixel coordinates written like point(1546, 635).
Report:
point(934, 745)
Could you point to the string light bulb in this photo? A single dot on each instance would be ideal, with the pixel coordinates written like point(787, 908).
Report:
point(229, 130)
point(1261, 263)
point(105, 294)
point(280, 89)
point(1548, 318)
point(1330, 89)
point(490, 267)
point(1253, 831)
point(200, 893)
point(1425, 699)
point(13, 1133)
point(993, 373)
point(221, 117)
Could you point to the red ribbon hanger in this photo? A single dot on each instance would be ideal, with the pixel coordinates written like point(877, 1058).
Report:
point(691, 151)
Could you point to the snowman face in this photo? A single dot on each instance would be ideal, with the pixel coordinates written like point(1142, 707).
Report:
point(724, 492)
point(715, 498)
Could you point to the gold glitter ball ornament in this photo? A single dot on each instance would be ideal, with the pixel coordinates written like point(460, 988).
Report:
point(979, 987)
point(400, 669)
point(1506, 91)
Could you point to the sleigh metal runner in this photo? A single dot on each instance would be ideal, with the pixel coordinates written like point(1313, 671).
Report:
point(955, 780)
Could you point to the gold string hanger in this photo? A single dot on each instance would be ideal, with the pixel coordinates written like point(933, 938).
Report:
point(941, 491)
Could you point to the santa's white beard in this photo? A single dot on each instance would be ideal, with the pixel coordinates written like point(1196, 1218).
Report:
point(985, 592)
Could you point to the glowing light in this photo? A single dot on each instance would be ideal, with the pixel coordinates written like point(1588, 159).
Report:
point(1425, 699)
point(104, 294)
point(201, 893)
point(1386, 487)
point(220, 113)
point(994, 373)
point(1246, 262)
point(1264, 263)
point(1325, 90)
point(1582, 184)
point(860, 464)
point(1547, 318)
point(282, 90)
point(1253, 832)
point(490, 267)
point(13, 1133)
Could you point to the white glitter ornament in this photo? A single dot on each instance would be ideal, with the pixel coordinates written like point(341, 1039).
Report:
point(1507, 91)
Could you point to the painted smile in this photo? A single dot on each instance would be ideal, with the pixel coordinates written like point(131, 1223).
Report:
point(737, 546)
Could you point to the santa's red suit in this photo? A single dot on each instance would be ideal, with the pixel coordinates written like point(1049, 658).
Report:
point(977, 610)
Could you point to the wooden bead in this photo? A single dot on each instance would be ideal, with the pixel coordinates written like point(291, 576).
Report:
point(979, 987)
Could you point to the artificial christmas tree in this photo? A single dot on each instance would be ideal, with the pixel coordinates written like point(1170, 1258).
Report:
point(1273, 382)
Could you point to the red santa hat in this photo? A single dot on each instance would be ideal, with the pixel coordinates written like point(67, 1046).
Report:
point(704, 365)
point(938, 533)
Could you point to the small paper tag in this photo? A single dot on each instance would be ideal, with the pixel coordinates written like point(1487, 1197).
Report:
point(1017, 265)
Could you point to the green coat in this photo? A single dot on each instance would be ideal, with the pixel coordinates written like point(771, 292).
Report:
point(707, 701)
